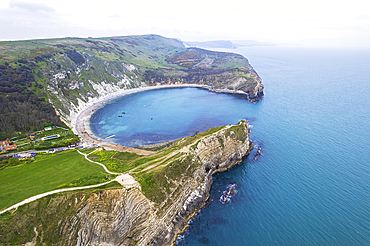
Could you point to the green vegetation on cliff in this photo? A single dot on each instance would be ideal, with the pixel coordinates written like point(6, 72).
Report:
point(23, 102)
point(158, 182)
point(115, 161)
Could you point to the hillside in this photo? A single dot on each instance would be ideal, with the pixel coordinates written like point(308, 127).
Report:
point(68, 73)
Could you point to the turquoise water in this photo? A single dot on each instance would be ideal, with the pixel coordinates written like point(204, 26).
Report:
point(167, 114)
point(311, 185)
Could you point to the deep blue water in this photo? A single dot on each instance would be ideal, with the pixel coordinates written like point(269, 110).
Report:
point(311, 186)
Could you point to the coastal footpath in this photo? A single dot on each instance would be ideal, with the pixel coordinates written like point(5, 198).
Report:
point(174, 186)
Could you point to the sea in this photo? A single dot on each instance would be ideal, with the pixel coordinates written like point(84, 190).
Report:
point(311, 183)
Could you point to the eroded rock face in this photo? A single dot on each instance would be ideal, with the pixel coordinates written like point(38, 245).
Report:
point(111, 217)
point(121, 217)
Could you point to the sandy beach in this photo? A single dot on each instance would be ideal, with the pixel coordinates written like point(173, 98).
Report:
point(81, 123)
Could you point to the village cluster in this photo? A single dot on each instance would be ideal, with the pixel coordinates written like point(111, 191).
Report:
point(19, 148)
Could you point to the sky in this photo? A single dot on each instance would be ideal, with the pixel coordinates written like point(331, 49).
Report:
point(325, 23)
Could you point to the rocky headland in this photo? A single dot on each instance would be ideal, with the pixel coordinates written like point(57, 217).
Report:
point(123, 217)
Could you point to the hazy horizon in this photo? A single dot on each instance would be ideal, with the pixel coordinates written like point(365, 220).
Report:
point(310, 24)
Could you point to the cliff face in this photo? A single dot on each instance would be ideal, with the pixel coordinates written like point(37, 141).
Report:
point(122, 217)
point(111, 217)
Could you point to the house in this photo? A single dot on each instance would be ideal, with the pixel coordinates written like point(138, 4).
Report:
point(11, 147)
point(3, 145)
point(5, 142)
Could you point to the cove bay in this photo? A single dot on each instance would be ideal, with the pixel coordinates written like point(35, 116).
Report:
point(166, 114)
point(310, 186)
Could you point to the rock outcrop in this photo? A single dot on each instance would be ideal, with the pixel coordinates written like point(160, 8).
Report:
point(125, 217)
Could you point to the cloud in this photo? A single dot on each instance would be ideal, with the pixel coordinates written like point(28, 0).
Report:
point(364, 17)
point(25, 20)
point(287, 21)
point(30, 7)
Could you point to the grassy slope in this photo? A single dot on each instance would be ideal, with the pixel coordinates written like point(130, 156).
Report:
point(115, 161)
point(154, 181)
point(46, 173)
point(146, 50)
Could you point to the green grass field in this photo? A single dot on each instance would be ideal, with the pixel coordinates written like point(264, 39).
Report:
point(46, 173)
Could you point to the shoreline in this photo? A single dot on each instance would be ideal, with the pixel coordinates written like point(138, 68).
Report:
point(81, 122)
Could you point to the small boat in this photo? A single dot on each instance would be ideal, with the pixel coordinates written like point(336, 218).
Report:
point(123, 112)
point(119, 115)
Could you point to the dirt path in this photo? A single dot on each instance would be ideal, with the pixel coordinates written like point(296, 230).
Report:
point(105, 168)
point(34, 198)
point(126, 180)
point(158, 163)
